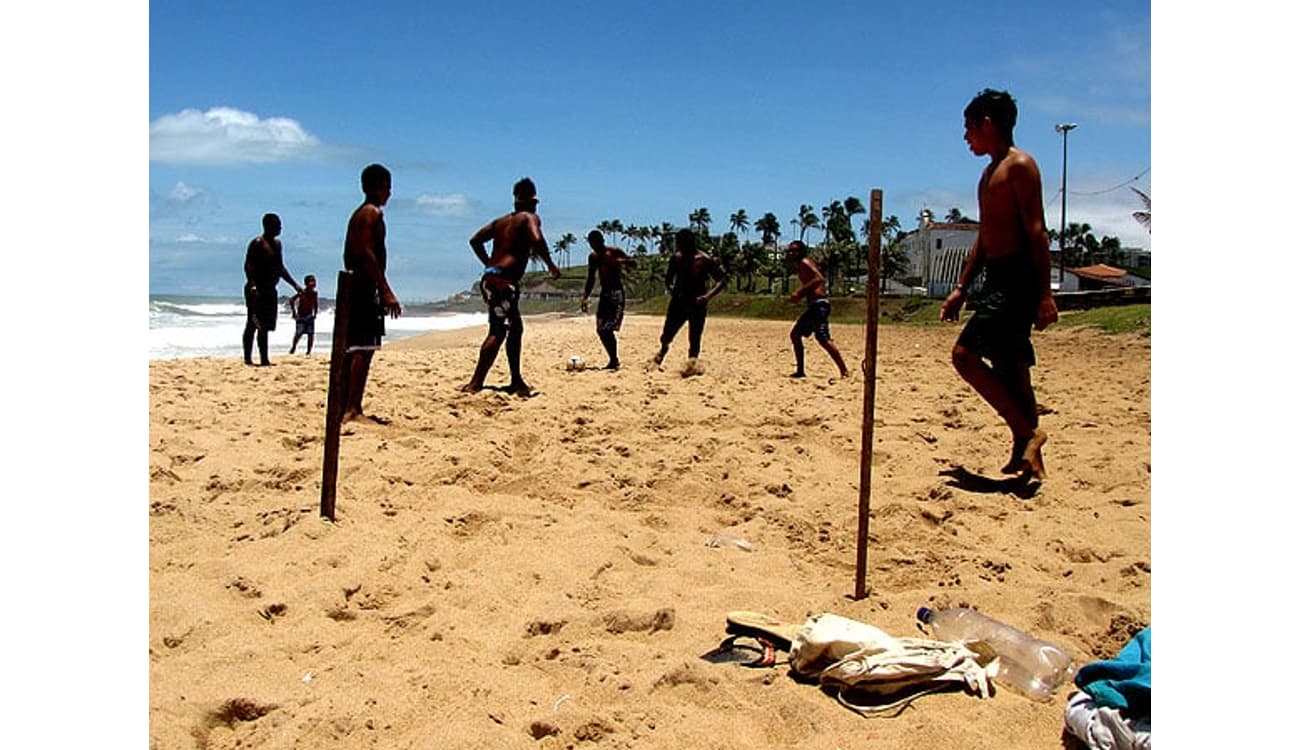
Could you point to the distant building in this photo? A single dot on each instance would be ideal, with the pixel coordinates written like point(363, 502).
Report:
point(936, 251)
point(1097, 277)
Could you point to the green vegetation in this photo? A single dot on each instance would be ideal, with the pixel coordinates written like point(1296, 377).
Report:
point(1114, 319)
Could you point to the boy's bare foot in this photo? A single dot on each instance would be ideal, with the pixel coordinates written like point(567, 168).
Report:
point(692, 368)
point(797, 374)
point(1017, 463)
point(471, 388)
point(522, 390)
point(356, 416)
point(1034, 454)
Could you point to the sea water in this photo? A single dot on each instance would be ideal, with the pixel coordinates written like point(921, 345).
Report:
point(184, 326)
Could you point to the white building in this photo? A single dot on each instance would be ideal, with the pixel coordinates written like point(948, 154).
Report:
point(936, 251)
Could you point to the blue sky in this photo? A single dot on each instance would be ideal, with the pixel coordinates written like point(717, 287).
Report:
point(632, 111)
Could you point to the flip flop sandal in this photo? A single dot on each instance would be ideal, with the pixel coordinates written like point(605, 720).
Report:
point(762, 627)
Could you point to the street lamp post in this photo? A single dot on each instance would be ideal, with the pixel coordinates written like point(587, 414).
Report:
point(1064, 129)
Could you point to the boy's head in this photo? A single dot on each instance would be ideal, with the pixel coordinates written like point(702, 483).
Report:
point(377, 180)
point(525, 195)
point(595, 239)
point(796, 251)
point(271, 225)
point(310, 281)
point(998, 107)
point(685, 241)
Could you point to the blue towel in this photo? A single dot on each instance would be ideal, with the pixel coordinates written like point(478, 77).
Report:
point(1122, 683)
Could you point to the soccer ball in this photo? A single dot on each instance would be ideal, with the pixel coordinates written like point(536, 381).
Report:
point(575, 363)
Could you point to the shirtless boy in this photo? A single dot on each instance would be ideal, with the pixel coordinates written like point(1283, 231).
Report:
point(1012, 249)
point(303, 308)
point(365, 254)
point(515, 237)
point(607, 262)
point(687, 277)
point(816, 318)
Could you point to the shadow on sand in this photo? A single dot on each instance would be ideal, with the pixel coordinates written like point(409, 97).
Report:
point(1022, 486)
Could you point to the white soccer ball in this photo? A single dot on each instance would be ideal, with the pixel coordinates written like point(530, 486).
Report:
point(575, 363)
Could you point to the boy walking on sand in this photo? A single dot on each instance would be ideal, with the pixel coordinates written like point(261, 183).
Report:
point(1012, 249)
point(365, 254)
point(303, 308)
point(607, 262)
point(688, 273)
point(816, 318)
point(515, 237)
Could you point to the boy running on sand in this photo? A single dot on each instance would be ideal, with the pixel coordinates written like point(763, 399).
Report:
point(607, 262)
point(689, 271)
point(1012, 249)
point(303, 308)
point(816, 318)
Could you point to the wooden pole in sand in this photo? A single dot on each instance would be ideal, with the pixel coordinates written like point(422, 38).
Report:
point(868, 393)
point(334, 403)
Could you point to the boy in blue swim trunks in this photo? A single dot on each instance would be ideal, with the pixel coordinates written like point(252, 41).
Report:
point(303, 308)
point(993, 352)
point(515, 237)
point(816, 318)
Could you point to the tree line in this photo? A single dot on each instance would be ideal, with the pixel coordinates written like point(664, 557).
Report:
point(751, 251)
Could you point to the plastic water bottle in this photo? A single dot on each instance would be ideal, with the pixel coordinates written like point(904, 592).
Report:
point(1032, 667)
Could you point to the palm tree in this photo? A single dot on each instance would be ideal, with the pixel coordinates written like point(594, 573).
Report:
point(1143, 217)
point(770, 226)
point(740, 222)
point(955, 216)
point(700, 220)
point(563, 244)
point(807, 220)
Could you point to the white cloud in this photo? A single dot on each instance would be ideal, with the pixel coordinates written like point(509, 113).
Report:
point(189, 238)
point(182, 193)
point(227, 136)
point(452, 204)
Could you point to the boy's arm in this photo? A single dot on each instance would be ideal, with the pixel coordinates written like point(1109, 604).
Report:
point(719, 273)
point(478, 243)
point(369, 262)
point(592, 261)
point(625, 259)
point(293, 304)
point(670, 273)
point(1027, 184)
point(538, 242)
point(816, 279)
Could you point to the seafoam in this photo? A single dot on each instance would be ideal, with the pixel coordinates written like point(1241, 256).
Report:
point(182, 327)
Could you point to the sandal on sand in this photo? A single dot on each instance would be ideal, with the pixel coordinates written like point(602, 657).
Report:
point(763, 628)
point(730, 652)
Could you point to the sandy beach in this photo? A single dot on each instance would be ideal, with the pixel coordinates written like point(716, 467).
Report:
point(535, 573)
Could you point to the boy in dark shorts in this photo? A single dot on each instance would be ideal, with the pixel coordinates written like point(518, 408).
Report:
point(689, 272)
point(303, 308)
point(515, 237)
point(1012, 249)
point(816, 318)
point(365, 254)
point(607, 262)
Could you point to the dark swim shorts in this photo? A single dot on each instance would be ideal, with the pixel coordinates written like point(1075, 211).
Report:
point(816, 320)
point(999, 331)
point(502, 298)
point(262, 307)
point(609, 311)
point(365, 316)
point(305, 325)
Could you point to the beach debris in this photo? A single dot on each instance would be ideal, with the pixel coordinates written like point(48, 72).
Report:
point(560, 700)
point(728, 539)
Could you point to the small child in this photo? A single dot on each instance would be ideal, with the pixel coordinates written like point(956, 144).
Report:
point(303, 306)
